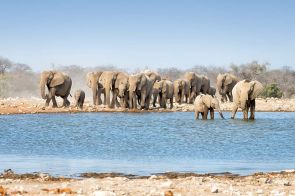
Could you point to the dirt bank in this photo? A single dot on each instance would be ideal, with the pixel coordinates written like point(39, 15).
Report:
point(36, 105)
point(280, 183)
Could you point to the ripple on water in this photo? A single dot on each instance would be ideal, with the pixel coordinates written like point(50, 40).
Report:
point(145, 143)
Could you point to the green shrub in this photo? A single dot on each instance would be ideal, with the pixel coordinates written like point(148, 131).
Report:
point(272, 90)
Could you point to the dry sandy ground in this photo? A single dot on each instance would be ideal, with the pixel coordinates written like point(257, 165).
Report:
point(281, 183)
point(36, 105)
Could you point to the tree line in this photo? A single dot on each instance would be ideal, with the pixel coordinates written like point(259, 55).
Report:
point(17, 79)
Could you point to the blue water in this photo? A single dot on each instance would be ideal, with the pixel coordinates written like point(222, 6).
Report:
point(145, 143)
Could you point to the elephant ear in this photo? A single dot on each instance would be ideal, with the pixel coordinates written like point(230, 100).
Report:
point(207, 100)
point(228, 80)
point(143, 81)
point(255, 89)
point(58, 79)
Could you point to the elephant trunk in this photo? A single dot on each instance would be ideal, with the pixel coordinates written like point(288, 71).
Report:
point(108, 92)
point(42, 88)
point(94, 94)
point(220, 113)
point(132, 100)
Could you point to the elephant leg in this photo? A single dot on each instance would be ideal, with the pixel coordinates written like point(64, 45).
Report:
point(54, 104)
point(160, 100)
point(178, 99)
point(192, 96)
point(66, 102)
point(197, 115)
point(205, 114)
point(245, 112)
point(117, 102)
point(155, 97)
point(122, 102)
point(252, 109)
point(230, 97)
point(143, 99)
point(94, 98)
point(182, 97)
point(134, 103)
point(47, 102)
point(104, 98)
point(171, 103)
point(165, 101)
point(189, 94)
point(98, 97)
point(212, 113)
point(52, 96)
point(234, 111)
point(114, 99)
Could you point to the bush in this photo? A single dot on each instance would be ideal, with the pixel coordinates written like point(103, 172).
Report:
point(272, 90)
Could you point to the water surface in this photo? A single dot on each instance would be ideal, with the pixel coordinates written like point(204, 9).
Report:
point(145, 143)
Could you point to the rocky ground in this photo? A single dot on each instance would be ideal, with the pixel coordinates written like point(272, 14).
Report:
point(35, 105)
point(280, 183)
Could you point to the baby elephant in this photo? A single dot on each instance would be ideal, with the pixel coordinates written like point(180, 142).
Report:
point(79, 98)
point(203, 104)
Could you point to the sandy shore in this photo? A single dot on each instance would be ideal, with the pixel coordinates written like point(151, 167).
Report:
point(36, 105)
point(280, 183)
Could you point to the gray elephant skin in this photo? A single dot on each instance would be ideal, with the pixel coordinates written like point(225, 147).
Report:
point(205, 85)
point(140, 87)
point(121, 89)
point(79, 98)
point(153, 76)
point(195, 83)
point(181, 90)
point(203, 104)
point(212, 91)
point(92, 79)
point(58, 84)
point(244, 94)
point(163, 89)
point(107, 81)
point(225, 84)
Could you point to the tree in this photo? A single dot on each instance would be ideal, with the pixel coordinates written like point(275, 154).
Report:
point(272, 90)
point(5, 64)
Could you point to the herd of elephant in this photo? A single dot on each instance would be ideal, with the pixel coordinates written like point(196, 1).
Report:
point(143, 89)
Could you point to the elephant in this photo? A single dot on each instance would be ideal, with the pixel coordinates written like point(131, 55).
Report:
point(195, 83)
point(121, 89)
point(58, 84)
point(165, 90)
point(212, 91)
point(79, 98)
point(181, 90)
point(92, 79)
point(107, 83)
point(153, 76)
point(205, 85)
point(225, 83)
point(244, 94)
point(203, 104)
point(140, 86)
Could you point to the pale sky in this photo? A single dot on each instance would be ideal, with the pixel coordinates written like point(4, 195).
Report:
point(155, 33)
